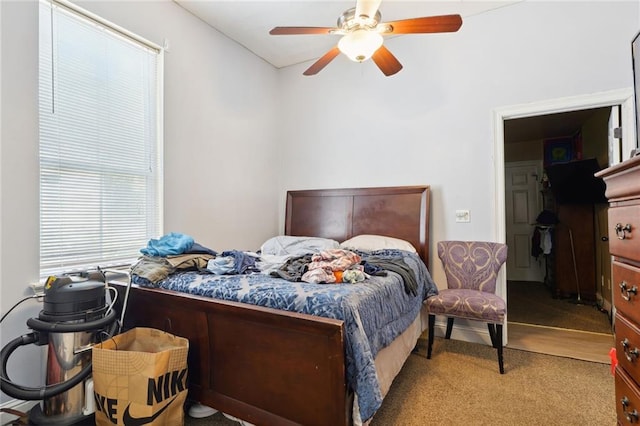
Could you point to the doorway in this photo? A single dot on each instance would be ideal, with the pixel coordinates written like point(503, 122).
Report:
point(562, 108)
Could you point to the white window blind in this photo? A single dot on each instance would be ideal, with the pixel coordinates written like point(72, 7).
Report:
point(100, 164)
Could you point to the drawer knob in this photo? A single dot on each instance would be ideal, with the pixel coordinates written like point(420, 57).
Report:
point(630, 354)
point(631, 416)
point(621, 231)
point(627, 292)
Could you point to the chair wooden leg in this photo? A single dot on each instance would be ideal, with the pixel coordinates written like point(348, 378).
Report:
point(492, 334)
point(499, 345)
point(449, 328)
point(432, 322)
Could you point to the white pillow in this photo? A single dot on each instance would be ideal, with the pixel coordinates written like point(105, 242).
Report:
point(377, 242)
point(291, 245)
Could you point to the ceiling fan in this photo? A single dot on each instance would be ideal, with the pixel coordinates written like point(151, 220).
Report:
point(362, 32)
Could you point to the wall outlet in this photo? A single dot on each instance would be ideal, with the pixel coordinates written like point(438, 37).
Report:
point(463, 216)
point(37, 287)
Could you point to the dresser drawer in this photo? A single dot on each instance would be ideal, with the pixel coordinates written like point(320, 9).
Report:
point(627, 399)
point(624, 231)
point(628, 346)
point(626, 292)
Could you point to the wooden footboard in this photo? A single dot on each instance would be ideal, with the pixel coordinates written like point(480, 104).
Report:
point(261, 365)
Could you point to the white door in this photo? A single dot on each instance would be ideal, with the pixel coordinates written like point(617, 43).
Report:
point(522, 206)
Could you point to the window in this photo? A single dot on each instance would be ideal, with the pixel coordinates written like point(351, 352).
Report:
point(100, 156)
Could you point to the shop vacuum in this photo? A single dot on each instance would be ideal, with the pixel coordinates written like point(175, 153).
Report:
point(76, 314)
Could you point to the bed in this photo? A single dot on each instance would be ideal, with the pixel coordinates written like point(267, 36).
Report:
point(276, 367)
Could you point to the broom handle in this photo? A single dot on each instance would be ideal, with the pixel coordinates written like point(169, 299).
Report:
point(575, 268)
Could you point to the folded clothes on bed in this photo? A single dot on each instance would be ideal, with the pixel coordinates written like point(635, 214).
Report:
point(170, 244)
point(155, 268)
point(233, 262)
point(335, 260)
point(198, 248)
point(293, 269)
point(398, 266)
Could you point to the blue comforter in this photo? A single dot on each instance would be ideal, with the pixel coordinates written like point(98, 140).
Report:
point(374, 311)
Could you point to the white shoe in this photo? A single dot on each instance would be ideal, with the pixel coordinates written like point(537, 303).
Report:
point(199, 411)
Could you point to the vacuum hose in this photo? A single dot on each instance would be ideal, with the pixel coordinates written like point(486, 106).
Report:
point(27, 393)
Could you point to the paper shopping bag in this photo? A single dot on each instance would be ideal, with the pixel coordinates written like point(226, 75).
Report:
point(140, 378)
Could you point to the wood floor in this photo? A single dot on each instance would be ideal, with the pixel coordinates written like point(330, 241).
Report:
point(577, 344)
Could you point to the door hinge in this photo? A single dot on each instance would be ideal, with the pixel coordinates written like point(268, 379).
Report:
point(617, 133)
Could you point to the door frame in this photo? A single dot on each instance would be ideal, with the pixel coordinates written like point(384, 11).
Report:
point(622, 97)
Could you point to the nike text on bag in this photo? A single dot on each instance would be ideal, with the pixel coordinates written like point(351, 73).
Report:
point(140, 378)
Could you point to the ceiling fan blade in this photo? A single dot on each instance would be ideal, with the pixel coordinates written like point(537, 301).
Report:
point(429, 24)
point(367, 8)
point(385, 60)
point(322, 62)
point(301, 30)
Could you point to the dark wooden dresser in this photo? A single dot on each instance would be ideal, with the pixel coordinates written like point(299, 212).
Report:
point(623, 192)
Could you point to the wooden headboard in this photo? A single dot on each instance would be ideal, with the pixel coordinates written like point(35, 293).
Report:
point(399, 212)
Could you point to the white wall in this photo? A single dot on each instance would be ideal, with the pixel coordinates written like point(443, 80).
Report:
point(220, 141)
point(432, 122)
point(19, 179)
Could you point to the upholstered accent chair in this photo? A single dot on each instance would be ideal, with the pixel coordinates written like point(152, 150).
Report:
point(471, 269)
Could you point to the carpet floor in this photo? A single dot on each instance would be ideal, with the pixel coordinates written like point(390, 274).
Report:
point(461, 385)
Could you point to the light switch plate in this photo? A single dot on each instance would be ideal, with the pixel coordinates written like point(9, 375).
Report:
point(463, 216)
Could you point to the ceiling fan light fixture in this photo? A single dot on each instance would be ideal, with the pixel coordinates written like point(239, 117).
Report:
point(362, 30)
point(359, 45)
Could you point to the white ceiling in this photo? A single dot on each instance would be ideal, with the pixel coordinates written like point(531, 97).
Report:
point(248, 22)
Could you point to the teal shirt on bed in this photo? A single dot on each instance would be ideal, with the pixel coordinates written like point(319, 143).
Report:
point(170, 244)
